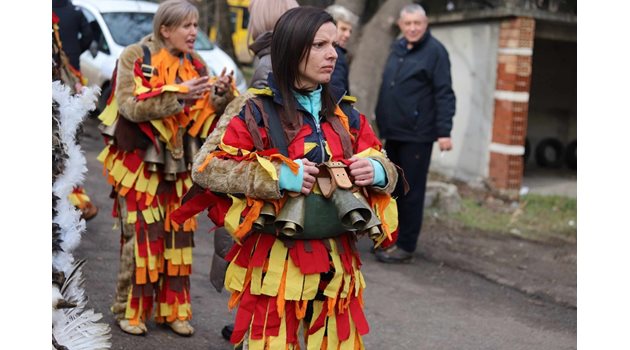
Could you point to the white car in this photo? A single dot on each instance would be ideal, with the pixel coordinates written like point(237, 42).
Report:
point(119, 23)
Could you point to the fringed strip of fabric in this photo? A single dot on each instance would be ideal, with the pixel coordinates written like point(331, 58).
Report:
point(279, 284)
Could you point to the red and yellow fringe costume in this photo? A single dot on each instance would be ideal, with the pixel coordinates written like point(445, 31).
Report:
point(156, 252)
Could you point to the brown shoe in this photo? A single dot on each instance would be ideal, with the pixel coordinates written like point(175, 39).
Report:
point(89, 211)
point(393, 255)
point(182, 328)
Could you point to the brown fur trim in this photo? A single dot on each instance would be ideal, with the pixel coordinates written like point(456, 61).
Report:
point(156, 107)
point(390, 171)
point(230, 176)
point(127, 263)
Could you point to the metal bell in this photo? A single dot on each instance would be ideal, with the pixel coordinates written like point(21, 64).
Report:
point(266, 217)
point(353, 214)
point(290, 221)
point(372, 228)
point(154, 156)
point(191, 147)
point(173, 166)
point(108, 131)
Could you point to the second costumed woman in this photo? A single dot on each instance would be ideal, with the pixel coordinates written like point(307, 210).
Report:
point(304, 176)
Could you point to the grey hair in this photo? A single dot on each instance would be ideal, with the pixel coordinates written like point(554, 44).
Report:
point(413, 8)
point(340, 13)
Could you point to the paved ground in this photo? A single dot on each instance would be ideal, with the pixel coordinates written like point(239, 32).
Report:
point(464, 290)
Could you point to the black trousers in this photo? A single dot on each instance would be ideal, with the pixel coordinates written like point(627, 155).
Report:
point(414, 159)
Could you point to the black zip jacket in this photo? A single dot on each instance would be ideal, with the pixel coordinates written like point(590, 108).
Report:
point(416, 102)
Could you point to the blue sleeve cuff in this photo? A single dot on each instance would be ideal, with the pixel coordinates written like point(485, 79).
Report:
point(380, 178)
point(290, 181)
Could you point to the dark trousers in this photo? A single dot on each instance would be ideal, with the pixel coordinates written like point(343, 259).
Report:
point(414, 159)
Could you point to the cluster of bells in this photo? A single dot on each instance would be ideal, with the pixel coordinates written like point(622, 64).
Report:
point(157, 158)
point(309, 216)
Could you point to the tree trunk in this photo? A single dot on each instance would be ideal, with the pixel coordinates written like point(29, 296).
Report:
point(224, 27)
point(355, 6)
point(205, 14)
point(367, 66)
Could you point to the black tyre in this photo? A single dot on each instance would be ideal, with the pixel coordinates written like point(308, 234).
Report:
point(549, 153)
point(528, 151)
point(570, 155)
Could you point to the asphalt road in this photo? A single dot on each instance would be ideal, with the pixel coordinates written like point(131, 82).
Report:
point(422, 305)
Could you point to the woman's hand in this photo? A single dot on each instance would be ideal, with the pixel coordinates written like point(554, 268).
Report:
point(362, 171)
point(223, 83)
point(308, 180)
point(196, 88)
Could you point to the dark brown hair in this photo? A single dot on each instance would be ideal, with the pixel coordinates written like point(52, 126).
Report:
point(293, 36)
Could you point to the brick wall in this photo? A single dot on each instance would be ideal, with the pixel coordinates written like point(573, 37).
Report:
point(514, 67)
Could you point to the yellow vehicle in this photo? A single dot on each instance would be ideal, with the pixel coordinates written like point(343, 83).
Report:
point(239, 20)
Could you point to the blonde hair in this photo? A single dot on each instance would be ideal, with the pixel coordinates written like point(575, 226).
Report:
point(263, 15)
point(172, 13)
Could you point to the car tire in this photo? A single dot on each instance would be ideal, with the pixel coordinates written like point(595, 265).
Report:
point(570, 156)
point(549, 153)
point(102, 100)
point(528, 151)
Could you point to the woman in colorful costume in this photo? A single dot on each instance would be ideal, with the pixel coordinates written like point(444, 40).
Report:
point(163, 106)
point(271, 156)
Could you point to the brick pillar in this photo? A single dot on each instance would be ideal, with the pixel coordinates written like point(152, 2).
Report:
point(511, 102)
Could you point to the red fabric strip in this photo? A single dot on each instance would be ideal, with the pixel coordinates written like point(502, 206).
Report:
point(343, 325)
point(358, 316)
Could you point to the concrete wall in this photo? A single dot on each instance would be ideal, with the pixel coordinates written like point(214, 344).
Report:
point(473, 53)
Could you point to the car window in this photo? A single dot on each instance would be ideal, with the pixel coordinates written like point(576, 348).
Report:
point(96, 31)
point(128, 27)
point(202, 42)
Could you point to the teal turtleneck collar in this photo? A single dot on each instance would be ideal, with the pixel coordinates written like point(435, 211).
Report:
point(311, 101)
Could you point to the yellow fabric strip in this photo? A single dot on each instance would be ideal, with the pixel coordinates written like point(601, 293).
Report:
point(187, 255)
point(101, 156)
point(235, 278)
point(158, 124)
point(233, 215)
point(331, 327)
point(369, 152)
point(277, 256)
point(140, 89)
point(118, 170)
point(179, 188)
point(132, 217)
point(188, 182)
point(268, 166)
point(280, 341)
point(308, 146)
point(335, 283)
point(147, 214)
point(142, 183)
point(139, 260)
point(109, 114)
point(205, 130)
point(295, 281)
point(256, 280)
point(156, 213)
point(154, 181)
point(311, 282)
point(315, 339)
point(130, 178)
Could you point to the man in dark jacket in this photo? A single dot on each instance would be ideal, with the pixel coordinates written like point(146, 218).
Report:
point(415, 108)
point(74, 30)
